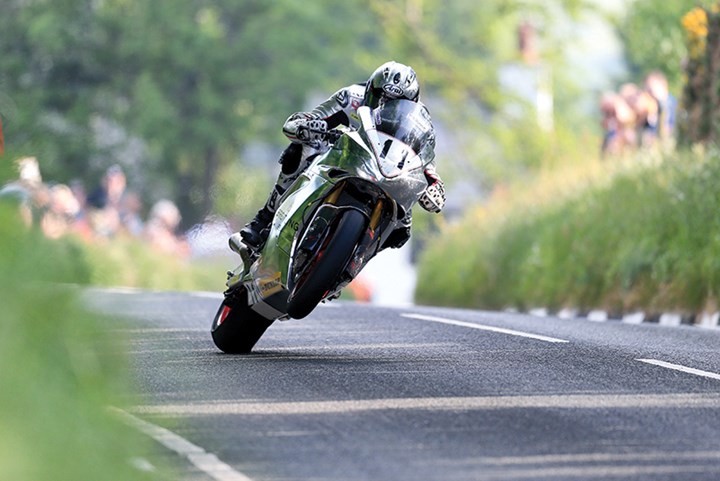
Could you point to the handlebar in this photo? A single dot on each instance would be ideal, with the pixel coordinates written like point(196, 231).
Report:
point(329, 135)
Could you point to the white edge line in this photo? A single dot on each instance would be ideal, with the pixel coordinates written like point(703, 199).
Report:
point(206, 462)
point(678, 367)
point(482, 327)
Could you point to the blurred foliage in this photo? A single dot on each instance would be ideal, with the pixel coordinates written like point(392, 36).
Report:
point(639, 235)
point(176, 90)
point(60, 368)
point(654, 39)
point(700, 124)
point(132, 263)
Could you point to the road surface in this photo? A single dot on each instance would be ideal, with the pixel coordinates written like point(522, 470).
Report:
point(360, 392)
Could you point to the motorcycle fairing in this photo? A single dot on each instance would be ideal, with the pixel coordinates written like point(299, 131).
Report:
point(385, 177)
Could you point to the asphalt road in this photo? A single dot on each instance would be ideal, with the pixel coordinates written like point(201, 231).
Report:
point(355, 392)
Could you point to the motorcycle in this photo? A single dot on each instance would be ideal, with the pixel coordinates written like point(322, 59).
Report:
point(329, 223)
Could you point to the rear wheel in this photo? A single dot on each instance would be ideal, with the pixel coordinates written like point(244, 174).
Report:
point(324, 269)
point(236, 328)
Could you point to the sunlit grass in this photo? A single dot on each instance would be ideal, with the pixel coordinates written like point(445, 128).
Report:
point(60, 368)
point(132, 263)
point(637, 233)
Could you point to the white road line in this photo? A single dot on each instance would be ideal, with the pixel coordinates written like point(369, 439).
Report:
point(678, 367)
point(483, 327)
point(322, 408)
point(206, 462)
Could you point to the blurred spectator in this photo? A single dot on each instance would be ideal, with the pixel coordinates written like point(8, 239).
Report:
point(645, 108)
point(656, 85)
point(59, 219)
point(618, 122)
point(29, 191)
point(161, 227)
point(104, 202)
point(82, 219)
point(636, 117)
point(78, 189)
point(130, 214)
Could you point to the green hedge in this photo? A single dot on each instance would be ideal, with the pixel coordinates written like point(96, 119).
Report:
point(644, 235)
point(60, 368)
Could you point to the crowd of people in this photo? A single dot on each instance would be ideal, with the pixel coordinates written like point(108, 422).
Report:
point(638, 116)
point(110, 210)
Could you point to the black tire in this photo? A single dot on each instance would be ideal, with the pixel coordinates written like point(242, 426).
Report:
point(236, 328)
point(327, 265)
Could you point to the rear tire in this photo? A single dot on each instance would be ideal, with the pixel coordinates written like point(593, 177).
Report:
point(236, 328)
point(327, 265)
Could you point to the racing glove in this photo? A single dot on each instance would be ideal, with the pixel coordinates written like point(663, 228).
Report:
point(433, 199)
point(311, 131)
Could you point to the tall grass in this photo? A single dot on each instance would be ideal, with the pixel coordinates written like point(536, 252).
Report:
point(60, 368)
point(132, 263)
point(643, 233)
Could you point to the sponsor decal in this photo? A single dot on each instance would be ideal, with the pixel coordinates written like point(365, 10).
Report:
point(253, 293)
point(270, 285)
point(342, 98)
point(356, 104)
point(393, 90)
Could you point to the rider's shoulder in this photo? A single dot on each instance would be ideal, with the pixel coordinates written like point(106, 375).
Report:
point(350, 96)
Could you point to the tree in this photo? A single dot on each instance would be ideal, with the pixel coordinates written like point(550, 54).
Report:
point(654, 38)
point(199, 79)
point(49, 80)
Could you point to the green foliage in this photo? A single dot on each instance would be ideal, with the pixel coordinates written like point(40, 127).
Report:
point(194, 81)
point(190, 83)
point(654, 38)
point(240, 192)
point(645, 238)
point(131, 263)
point(60, 368)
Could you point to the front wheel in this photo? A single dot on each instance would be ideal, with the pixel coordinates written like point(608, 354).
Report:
point(325, 268)
point(236, 328)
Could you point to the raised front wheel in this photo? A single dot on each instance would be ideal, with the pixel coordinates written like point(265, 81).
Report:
point(323, 271)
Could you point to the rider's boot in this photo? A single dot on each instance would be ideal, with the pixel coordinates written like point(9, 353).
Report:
point(255, 232)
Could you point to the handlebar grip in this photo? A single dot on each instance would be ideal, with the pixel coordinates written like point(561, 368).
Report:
point(329, 135)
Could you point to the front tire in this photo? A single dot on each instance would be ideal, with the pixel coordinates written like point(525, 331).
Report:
point(236, 328)
point(327, 265)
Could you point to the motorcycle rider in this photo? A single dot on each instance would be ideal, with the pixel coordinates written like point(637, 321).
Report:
point(306, 131)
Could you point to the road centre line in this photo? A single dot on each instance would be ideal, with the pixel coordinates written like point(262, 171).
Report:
point(678, 367)
point(483, 327)
point(555, 401)
point(204, 461)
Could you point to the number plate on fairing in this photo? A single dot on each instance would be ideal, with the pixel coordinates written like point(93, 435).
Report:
point(395, 157)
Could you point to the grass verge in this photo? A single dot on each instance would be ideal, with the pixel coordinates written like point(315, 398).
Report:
point(639, 234)
point(60, 368)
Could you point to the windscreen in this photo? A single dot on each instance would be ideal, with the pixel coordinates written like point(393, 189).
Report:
point(408, 122)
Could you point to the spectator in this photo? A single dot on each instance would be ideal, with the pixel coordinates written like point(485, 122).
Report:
point(656, 85)
point(104, 203)
point(160, 229)
point(638, 117)
point(645, 108)
point(29, 191)
point(130, 214)
point(618, 122)
point(59, 219)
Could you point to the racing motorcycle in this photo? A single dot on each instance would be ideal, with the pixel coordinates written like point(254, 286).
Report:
point(329, 223)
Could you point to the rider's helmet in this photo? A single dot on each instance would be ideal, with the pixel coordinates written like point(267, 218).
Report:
point(391, 80)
